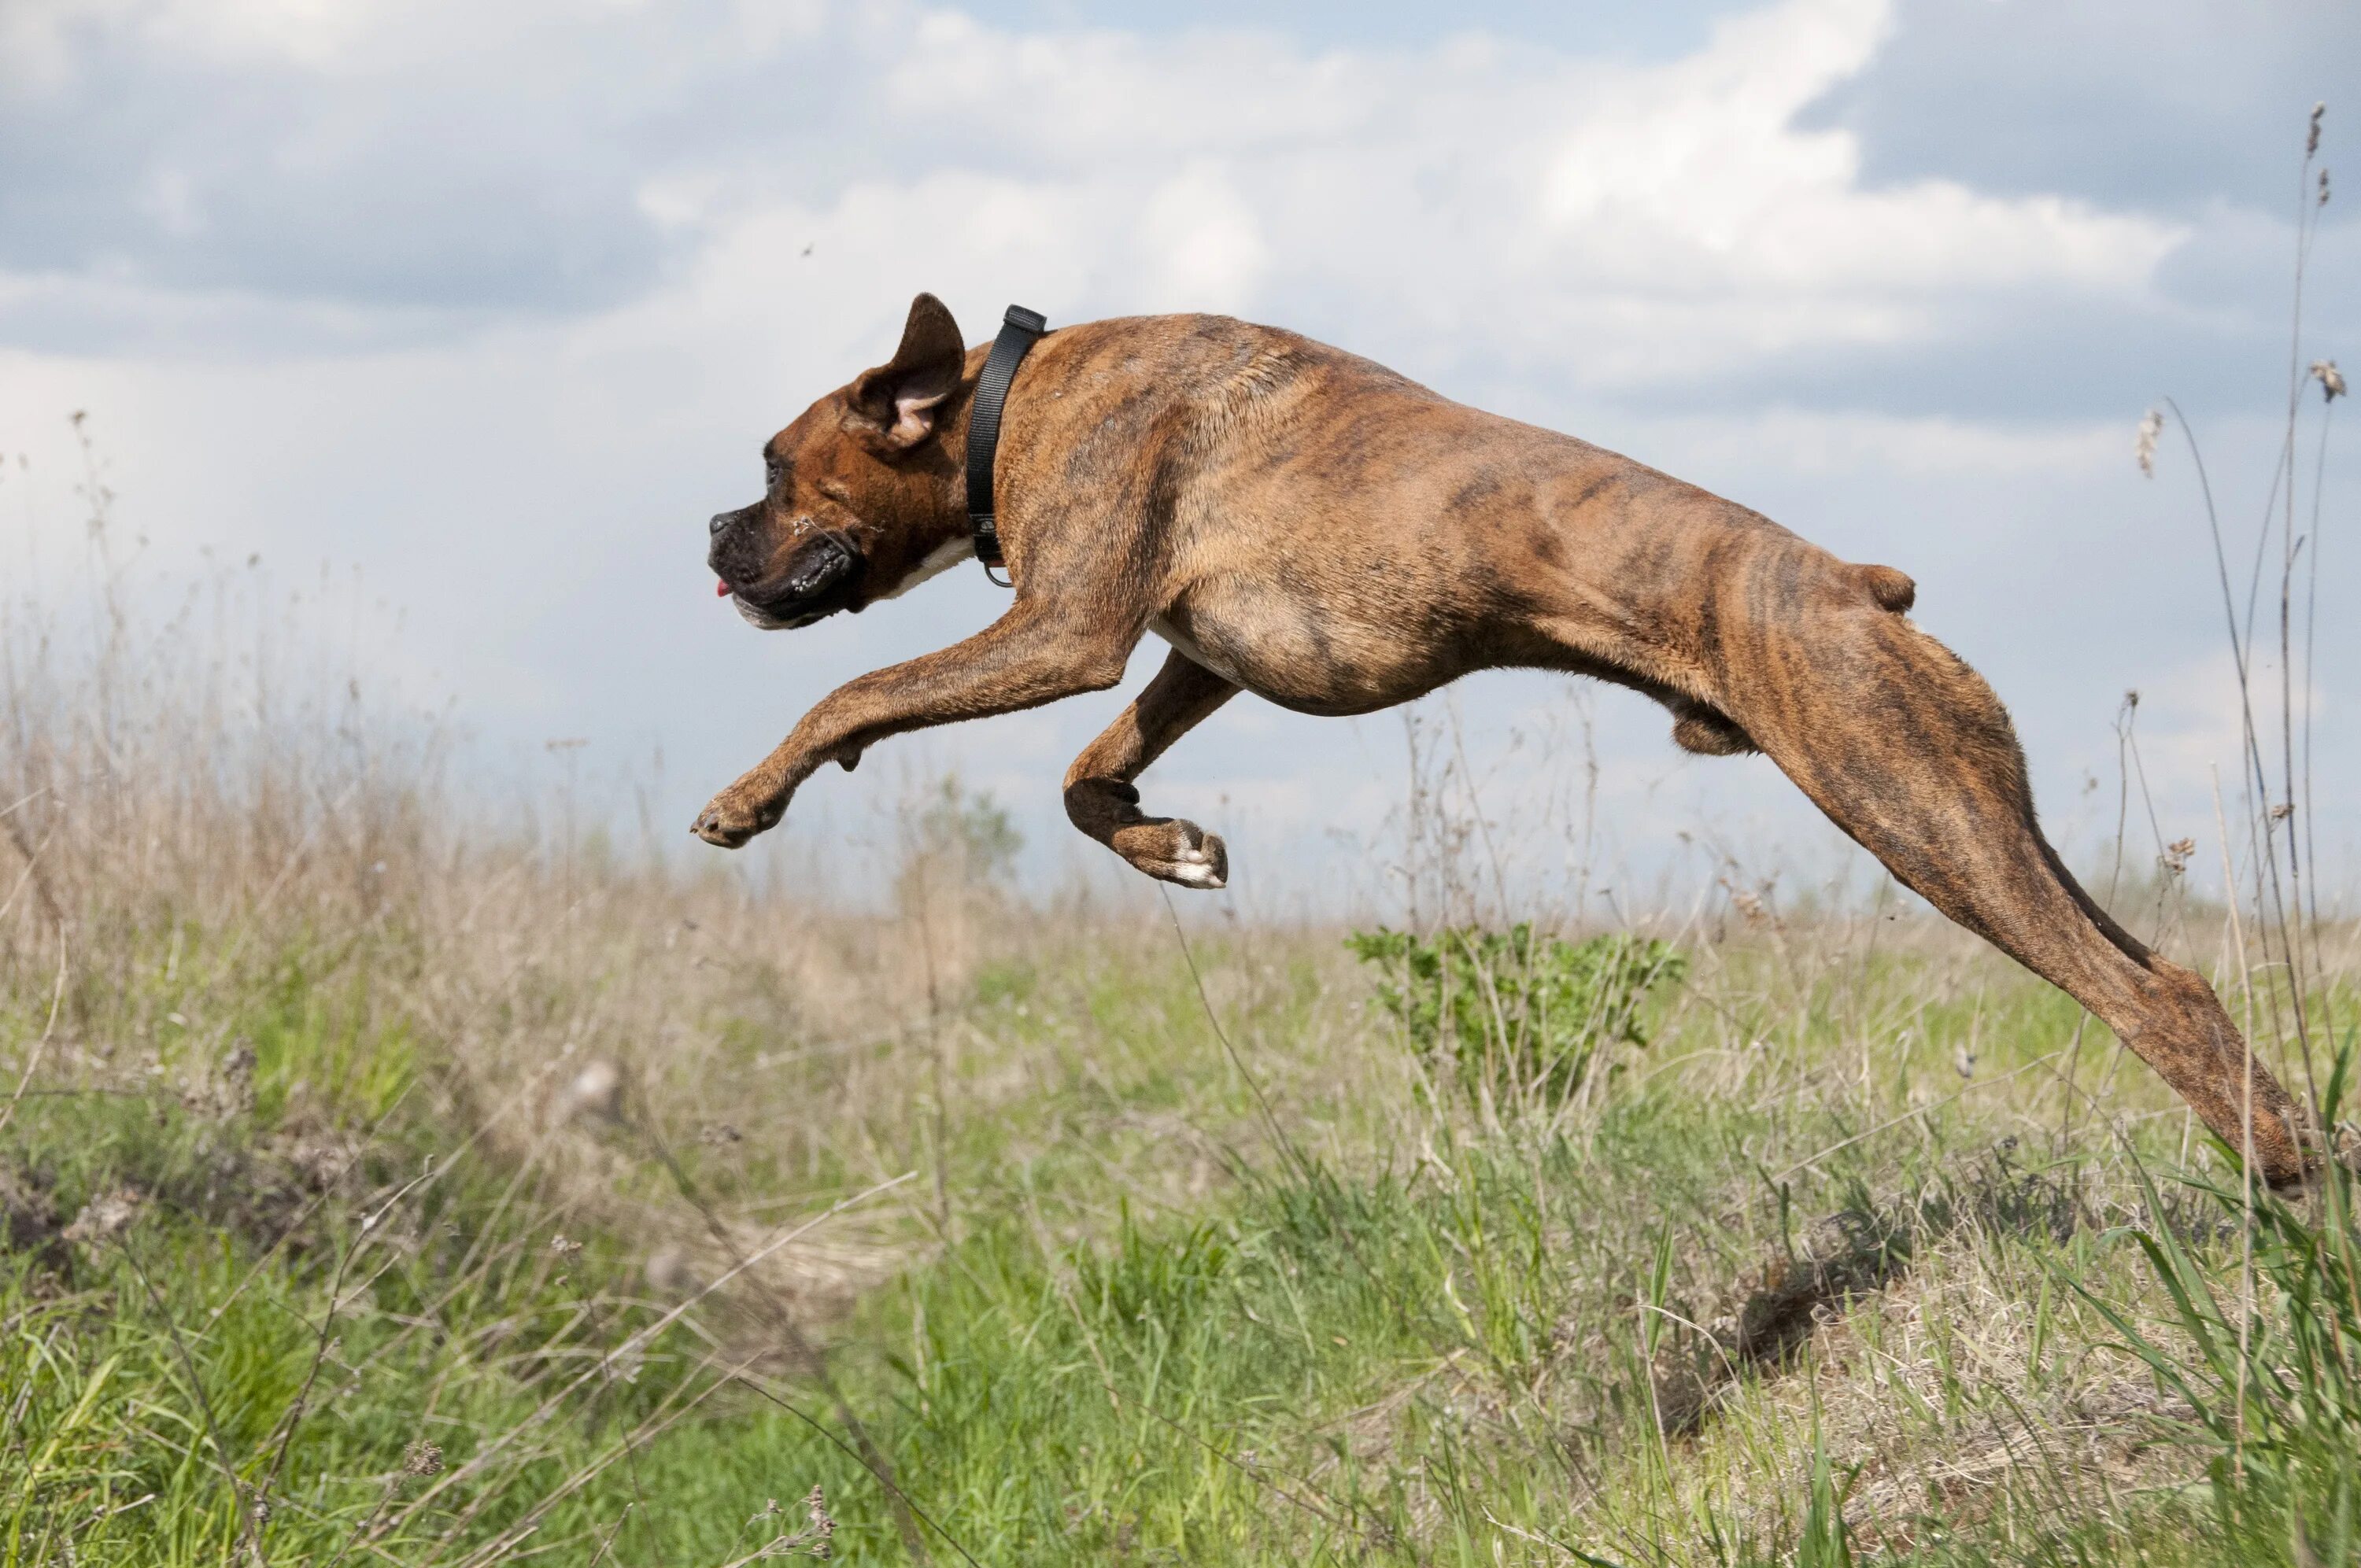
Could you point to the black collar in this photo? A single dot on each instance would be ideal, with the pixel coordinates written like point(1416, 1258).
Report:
point(1019, 330)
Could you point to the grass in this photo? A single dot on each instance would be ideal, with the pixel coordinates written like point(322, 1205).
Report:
point(1112, 1312)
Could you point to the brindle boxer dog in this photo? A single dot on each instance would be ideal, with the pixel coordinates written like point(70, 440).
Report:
point(1313, 528)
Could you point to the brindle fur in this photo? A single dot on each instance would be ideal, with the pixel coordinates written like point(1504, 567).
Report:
point(1308, 526)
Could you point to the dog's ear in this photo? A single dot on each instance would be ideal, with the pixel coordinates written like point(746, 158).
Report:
point(894, 405)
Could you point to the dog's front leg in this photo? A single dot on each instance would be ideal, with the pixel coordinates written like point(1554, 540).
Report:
point(1031, 655)
point(1099, 794)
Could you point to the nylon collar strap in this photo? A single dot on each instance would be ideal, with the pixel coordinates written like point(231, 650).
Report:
point(1019, 330)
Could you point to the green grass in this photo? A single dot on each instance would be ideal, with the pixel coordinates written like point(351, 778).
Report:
point(1136, 1321)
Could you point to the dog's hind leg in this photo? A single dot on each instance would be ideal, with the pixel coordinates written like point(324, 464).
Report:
point(1100, 796)
point(1908, 750)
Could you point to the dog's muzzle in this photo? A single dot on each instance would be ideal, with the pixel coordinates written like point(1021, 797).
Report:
point(819, 579)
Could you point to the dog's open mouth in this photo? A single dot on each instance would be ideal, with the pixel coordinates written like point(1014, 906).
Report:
point(820, 579)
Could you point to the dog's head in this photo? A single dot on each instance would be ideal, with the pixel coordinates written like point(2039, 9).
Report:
point(861, 499)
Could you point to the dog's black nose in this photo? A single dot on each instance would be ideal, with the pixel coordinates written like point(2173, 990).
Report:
point(721, 520)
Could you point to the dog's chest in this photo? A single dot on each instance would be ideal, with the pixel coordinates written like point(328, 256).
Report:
point(940, 559)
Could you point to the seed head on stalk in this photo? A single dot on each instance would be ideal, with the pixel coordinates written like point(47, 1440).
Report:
point(2151, 425)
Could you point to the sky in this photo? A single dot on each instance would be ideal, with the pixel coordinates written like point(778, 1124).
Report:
point(488, 306)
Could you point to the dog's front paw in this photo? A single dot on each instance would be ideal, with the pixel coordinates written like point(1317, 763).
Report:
point(1179, 852)
point(736, 815)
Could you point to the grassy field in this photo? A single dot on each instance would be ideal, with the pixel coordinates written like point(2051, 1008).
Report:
point(373, 1196)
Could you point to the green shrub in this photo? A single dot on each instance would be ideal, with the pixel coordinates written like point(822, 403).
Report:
point(1518, 1016)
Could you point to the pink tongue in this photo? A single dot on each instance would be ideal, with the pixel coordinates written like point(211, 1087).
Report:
point(721, 590)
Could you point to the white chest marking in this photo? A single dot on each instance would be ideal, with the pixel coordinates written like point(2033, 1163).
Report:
point(1191, 652)
point(940, 559)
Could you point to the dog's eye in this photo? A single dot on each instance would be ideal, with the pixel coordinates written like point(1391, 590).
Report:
point(771, 467)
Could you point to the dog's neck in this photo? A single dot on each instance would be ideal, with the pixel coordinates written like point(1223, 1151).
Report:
point(1020, 329)
point(943, 459)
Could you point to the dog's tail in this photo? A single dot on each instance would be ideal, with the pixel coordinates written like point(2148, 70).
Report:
point(1892, 589)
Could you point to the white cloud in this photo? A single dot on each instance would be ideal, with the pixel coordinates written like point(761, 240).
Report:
point(1819, 442)
point(1629, 224)
point(38, 43)
point(2192, 726)
point(313, 34)
point(1199, 243)
point(1626, 224)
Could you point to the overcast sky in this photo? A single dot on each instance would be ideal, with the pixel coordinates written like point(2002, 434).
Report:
point(496, 303)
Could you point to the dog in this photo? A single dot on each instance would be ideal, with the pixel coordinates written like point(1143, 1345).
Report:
point(1308, 526)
